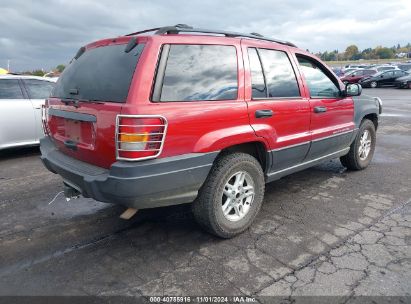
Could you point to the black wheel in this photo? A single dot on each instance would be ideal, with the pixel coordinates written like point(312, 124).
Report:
point(231, 196)
point(362, 149)
point(373, 84)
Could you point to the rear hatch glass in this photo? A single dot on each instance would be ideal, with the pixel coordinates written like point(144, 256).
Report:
point(102, 73)
point(86, 100)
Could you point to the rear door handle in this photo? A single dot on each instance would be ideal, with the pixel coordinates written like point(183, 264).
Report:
point(320, 109)
point(263, 113)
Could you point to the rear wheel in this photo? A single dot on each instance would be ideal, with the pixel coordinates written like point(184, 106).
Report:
point(362, 149)
point(374, 84)
point(231, 196)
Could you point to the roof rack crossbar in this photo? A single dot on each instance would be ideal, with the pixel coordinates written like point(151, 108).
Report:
point(184, 28)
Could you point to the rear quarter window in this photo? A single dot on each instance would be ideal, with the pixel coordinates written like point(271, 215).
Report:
point(200, 72)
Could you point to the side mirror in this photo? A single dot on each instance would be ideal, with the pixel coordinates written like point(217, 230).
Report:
point(353, 89)
point(381, 76)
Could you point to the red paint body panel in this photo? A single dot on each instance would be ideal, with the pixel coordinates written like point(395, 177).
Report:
point(353, 79)
point(100, 150)
point(340, 111)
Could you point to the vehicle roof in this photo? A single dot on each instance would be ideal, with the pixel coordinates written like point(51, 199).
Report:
point(182, 32)
point(12, 76)
point(192, 39)
point(184, 28)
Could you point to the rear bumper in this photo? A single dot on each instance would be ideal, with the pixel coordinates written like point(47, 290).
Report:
point(145, 184)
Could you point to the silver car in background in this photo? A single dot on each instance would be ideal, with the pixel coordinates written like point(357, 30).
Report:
point(21, 99)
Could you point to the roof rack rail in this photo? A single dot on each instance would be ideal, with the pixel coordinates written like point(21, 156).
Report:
point(142, 32)
point(184, 28)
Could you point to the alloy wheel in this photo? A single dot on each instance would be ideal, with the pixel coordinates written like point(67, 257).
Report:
point(237, 196)
point(365, 145)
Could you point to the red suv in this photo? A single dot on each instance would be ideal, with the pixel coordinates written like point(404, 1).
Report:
point(193, 115)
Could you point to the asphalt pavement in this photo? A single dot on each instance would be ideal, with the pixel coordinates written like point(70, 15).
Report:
point(322, 231)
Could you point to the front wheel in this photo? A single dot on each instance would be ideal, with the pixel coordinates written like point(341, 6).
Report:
point(231, 196)
point(362, 149)
point(374, 84)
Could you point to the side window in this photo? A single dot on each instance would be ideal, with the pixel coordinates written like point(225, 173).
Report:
point(10, 89)
point(259, 88)
point(38, 89)
point(279, 74)
point(319, 84)
point(200, 72)
point(389, 74)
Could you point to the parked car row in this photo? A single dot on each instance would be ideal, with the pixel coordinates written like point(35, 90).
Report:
point(374, 76)
point(385, 78)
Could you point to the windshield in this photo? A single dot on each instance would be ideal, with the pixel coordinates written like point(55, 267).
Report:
point(99, 74)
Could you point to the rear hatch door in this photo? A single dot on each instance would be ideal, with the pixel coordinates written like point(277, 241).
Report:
point(87, 98)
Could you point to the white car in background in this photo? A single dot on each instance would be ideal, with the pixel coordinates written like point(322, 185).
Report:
point(21, 99)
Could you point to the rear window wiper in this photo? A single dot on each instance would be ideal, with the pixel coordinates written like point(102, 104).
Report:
point(67, 101)
point(76, 102)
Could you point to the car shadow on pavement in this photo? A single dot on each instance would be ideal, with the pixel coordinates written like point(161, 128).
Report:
point(12, 153)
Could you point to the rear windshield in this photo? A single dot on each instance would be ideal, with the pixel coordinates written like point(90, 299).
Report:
point(100, 74)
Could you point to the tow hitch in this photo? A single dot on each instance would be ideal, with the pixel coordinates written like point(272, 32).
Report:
point(70, 193)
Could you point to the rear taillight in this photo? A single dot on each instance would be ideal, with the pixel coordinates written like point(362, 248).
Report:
point(44, 119)
point(139, 137)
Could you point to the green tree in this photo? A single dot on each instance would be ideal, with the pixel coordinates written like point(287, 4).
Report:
point(60, 68)
point(38, 73)
point(351, 52)
point(368, 53)
point(384, 52)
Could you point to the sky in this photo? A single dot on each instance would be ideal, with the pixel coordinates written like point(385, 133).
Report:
point(40, 34)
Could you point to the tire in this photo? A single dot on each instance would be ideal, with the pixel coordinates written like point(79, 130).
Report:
point(358, 158)
point(208, 206)
point(374, 84)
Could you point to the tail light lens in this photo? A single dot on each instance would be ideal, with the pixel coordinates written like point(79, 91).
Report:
point(139, 137)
